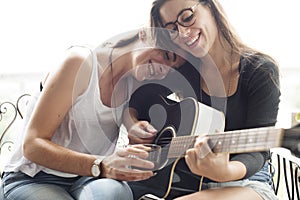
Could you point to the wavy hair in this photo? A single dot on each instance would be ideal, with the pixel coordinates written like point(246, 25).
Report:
point(226, 31)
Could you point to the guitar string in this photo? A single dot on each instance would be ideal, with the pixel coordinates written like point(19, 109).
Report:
point(230, 142)
point(253, 132)
point(228, 137)
point(233, 139)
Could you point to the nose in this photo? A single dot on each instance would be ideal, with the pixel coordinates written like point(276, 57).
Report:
point(165, 57)
point(158, 55)
point(162, 63)
point(183, 31)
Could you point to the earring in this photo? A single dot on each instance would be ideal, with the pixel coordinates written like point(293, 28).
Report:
point(142, 35)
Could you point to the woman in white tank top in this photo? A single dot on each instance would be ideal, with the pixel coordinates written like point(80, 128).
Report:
point(67, 149)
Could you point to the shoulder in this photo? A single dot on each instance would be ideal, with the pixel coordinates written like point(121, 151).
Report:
point(259, 65)
point(76, 57)
point(73, 70)
point(259, 73)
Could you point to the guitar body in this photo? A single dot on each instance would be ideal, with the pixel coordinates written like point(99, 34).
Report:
point(185, 118)
point(174, 124)
point(178, 119)
point(179, 124)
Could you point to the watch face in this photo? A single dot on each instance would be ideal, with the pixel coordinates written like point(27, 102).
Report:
point(95, 170)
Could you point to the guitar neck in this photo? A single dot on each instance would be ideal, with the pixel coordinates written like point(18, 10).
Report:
point(239, 141)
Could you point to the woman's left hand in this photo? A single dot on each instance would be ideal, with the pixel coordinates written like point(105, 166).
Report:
point(215, 166)
point(120, 164)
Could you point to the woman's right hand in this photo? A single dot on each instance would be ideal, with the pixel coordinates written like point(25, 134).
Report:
point(141, 132)
point(116, 166)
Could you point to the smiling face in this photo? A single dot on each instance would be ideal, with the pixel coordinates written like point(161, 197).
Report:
point(197, 30)
point(151, 63)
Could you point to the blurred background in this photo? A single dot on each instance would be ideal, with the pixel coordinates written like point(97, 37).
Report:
point(34, 34)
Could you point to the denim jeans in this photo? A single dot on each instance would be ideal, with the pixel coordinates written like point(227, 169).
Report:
point(19, 186)
point(263, 175)
point(1, 190)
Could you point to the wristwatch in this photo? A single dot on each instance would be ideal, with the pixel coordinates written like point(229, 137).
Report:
point(96, 170)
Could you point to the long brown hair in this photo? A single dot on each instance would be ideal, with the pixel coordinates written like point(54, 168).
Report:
point(225, 29)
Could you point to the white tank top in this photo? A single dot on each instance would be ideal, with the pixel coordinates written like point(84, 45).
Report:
point(89, 127)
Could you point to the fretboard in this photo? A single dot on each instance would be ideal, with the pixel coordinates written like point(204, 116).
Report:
point(239, 141)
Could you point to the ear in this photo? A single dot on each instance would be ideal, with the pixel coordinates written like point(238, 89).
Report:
point(142, 35)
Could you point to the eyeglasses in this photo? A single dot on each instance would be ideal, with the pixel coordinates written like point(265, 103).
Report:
point(185, 18)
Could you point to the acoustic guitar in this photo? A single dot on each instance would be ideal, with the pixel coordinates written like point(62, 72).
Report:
point(180, 123)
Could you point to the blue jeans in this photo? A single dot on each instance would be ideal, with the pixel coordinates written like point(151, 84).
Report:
point(19, 186)
point(263, 175)
point(1, 190)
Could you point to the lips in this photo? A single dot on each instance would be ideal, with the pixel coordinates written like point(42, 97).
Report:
point(150, 68)
point(192, 40)
point(155, 71)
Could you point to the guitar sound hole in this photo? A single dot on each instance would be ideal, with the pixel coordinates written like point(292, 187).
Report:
point(165, 136)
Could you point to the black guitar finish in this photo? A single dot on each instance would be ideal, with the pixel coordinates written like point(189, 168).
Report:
point(177, 122)
point(180, 119)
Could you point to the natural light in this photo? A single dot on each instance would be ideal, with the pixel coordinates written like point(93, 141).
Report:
point(34, 33)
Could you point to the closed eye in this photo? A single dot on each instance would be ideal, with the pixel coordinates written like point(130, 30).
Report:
point(188, 19)
point(174, 57)
point(167, 56)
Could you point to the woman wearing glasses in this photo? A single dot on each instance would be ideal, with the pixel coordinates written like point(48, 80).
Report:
point(245, 79)
point(67, 150)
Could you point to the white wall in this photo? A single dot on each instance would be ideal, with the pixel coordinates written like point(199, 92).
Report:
point(34, 31)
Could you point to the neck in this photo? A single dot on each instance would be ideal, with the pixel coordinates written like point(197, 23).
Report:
point(121, 64)
point(218, 70)
point(221, 53)
point(113, 79)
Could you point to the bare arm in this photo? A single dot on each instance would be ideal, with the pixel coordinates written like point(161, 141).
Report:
point(51, 108)
point(54, 103)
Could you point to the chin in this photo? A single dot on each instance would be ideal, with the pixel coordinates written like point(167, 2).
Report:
point(202, 51)
point(140, 79)
point(138, 74)
point(199, 53)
